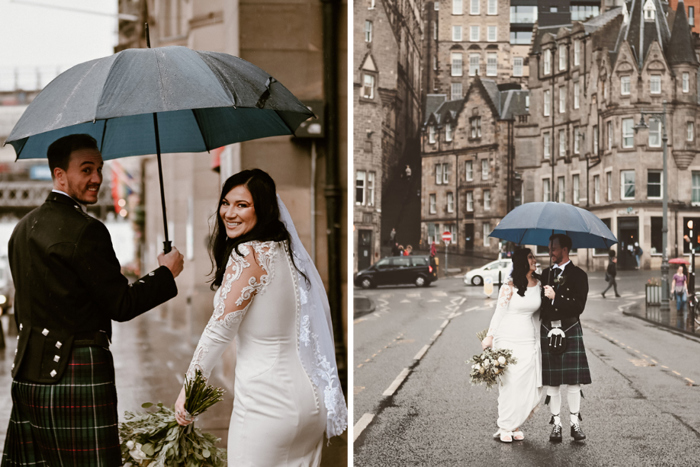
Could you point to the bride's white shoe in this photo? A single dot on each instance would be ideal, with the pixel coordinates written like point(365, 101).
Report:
point(504, 436)
point(518, 435)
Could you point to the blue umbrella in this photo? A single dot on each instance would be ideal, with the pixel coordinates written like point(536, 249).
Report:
point(534, 223)
point(148, 101)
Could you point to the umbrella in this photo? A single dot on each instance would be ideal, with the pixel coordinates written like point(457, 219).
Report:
point(678, 261)
point(534, 223)
point(148, 101)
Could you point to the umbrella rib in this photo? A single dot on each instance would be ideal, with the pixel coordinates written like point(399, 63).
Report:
point(102, 140)
point(199, 125)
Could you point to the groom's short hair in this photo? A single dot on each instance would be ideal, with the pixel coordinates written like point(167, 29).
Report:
point(564, 241)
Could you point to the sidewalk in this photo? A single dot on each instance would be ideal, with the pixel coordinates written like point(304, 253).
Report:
point(150, 362)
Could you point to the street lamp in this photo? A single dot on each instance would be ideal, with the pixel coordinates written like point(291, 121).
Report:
point(661, 118)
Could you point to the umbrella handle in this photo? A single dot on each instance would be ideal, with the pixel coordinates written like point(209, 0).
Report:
point(167, 246)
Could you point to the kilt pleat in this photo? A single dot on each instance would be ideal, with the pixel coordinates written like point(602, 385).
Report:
point(71, 423)
point(570, 367)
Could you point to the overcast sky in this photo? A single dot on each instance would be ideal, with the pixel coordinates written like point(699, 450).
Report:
point(37, 37)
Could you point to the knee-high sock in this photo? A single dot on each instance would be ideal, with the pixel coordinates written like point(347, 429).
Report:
point(554, 402)
point(573, 398)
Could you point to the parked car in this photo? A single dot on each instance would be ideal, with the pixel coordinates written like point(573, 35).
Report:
point(7, 287)
point(477, 276)
point(394, 270)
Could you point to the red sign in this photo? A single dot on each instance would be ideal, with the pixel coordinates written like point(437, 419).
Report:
point(446, 236)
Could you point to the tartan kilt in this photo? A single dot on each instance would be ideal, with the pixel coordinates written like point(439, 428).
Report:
point(570, 367)
point(71, 423)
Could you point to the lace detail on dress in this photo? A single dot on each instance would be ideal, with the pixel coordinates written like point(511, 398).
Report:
point(504, 296)
point(332, 395)
point(196, 364)
point(304, 330)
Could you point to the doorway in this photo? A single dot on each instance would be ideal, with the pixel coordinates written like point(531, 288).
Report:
point(468, 238)
point(364, 249)
point(627, 236)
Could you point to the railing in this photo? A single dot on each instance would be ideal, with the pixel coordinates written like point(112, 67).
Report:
point(33, 193)
point(653, 294)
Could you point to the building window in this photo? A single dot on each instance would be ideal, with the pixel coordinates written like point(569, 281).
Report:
point(368, 86)
point(484, 169)
point(656, 234)
point(432, 204)
point(577, 100)
point(456, 64)
point(431, 134)
point(583, 12)
point(686, 82)
point(545, 190)
point(562, 143)
point(470, 201)
point(474, 33)
point(360, 176)
point(469, 171)
point(577, 53)
point(547, 61)
point(368, 31)
point(491, 64)
point(627, 133)
point(695, 195)
point(474, 7)
point(627, 184)
point(562, 57)
point(457, 8)
point(691, 131)
point(518, 66)
point(546, 103)
point(610, 134)
point(603, 251)
point(492, 34)
point(649, 11)
point(520, 37)
point(457, 33)
point(691, 15)
point(655, 84)
point(576, 182)
point(445, 174)
point(654, 133)
point(434, 62)
point(577, 137)
point(487, 200)
point(596, 189)
point(450, 202)
point(608, 183)
point(561, 190)
point(487, 231)
point(493, 7)
point(439, 173)
point(475, 124)
point(546, 145)
point(371, 4)
point(474, 64)
point(562, 99)
point(448, 132)
point(370, 188)
point(654, 184)
point(625, 85)
point(436, 6)
point(595, 139)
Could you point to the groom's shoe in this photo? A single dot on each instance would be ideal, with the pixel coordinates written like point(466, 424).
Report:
point(577, 433)
point(555, 436)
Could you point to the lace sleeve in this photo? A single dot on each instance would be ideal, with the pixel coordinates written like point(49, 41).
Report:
point(246, 275)
point(504, 296)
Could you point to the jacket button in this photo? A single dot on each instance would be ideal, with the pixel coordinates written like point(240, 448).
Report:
point(151, 273)
point(45, 332)
point(13, 366)
point(53, 373)
point(59, 345)
point(56, 358)
point(20, 326)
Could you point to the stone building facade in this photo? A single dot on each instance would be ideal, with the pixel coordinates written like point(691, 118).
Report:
point(387, 115)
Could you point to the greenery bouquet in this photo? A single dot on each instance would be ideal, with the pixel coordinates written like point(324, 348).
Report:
point(490, 365)
point(155, 438)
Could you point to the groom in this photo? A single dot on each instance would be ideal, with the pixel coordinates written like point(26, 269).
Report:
point(564, 298)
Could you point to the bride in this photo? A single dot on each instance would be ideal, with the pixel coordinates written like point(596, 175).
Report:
point(270, 298)
point(515, 326)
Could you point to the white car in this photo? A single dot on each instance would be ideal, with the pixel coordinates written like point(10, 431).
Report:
point(477, 276)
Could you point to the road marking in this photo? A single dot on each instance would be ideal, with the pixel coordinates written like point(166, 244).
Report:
point(690, 381)
point(675, 372)
point(397, 382)
point(360, 365)
point(405, 301)
point(434, 300)
point(421, 352)
point(361, 424)
point(436, 335)
point(445, 323)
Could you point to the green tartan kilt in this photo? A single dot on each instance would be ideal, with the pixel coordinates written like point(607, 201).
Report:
point(570, 367)
point(71, 423)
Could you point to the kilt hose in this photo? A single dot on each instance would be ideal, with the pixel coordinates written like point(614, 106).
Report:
point(71, 423)
point(570, 367)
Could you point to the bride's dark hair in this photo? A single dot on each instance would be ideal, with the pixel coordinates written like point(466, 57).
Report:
point(267, 227)
point(521, 266)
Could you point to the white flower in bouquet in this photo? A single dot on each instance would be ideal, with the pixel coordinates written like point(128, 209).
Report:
point(502, 360)
point(487, 362)
point(138, 454)
point(481, 371)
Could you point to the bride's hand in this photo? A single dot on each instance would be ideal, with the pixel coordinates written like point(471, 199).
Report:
point(487, 342)
point(183, 418)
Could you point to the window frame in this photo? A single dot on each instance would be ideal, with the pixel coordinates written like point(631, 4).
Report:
point(577, 92)
point(562, 99)
point(431, 134)
point(456, 33)
point(546, 190)
point(491, 67)
point(577, 52)
point(596, 189)
point(624, 184)
point(469, 206)
point(371, 176)
point(474, 33)
point(655, 84)
point(660, 183)
point(469, 171)
point(625, 85)
point(474, 7)
point(654, 132)
point(450, 202)
point(456, 64)
point(432, 203)
point(490, 38)
point(546, 145)
point(457, 7)
point(627, 133)
point(576, 187)
point(685, 82)
point(486, 229)
point(493, 11)
point(562, 142)
point(445, 173)
point(695, 188)
point(487, 200)
point(518, 67)
point(360, 187)
point(611, 134)
point(485, 169)
point(561, 189)
point(608, 186)
point(547, 65)
point(690, 131)
point(474, 66)
point(546, 102)
point(448, 132)
point(438, 173)
point(562, 57)
point(370, 86)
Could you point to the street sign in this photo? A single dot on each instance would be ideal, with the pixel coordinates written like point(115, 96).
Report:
point(446, 236)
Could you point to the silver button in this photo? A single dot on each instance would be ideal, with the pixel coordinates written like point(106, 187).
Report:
point(53, 373)
point(20, 326)
point(56, 358)
point(13, 366)
point(16, 351)
point(58, 345)
point(45, 332)
point(151, 273)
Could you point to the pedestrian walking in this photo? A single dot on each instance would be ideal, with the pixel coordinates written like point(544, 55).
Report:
point(680, 294)
point(408, 172)
point(395, 250)
point(433, 250)
point(392, 236)
point(69, 289)
point(408, 251)
point(611, 274)
point(638, 254)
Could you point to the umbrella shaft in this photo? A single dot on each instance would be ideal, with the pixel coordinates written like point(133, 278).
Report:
point(166, 243)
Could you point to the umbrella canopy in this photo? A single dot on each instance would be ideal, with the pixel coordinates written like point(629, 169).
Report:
point(534, 223)
point(678, 261)
point(203, 100)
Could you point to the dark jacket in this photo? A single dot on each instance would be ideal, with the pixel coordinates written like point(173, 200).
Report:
point(612, 269)
point(68, 283)
point(571, 294)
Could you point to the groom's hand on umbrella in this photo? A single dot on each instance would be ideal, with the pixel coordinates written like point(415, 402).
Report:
point(173, 261)
point(549, 292)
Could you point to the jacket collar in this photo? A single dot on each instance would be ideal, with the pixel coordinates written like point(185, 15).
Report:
point(61, 197)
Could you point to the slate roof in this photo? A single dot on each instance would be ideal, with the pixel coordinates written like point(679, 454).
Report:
point(514, 103)
point(680, 47)
point(450, 108)
point(640, 33)
point(432, 102)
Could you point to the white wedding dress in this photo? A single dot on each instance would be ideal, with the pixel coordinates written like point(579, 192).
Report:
point(278, 417)
point(515, 326)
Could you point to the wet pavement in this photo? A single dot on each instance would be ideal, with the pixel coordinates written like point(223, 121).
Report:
point(150, 362)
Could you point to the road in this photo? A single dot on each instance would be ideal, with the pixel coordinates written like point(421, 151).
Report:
point(414, 405)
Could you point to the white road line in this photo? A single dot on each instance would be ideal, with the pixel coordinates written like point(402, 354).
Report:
point(436, 335)
point(445, 323)
point(421, 352)
point(472, 309)
point(361, 424)
point(397, 382)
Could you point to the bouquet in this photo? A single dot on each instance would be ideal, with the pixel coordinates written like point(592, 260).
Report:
point(155, 438)
point(489, 366)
